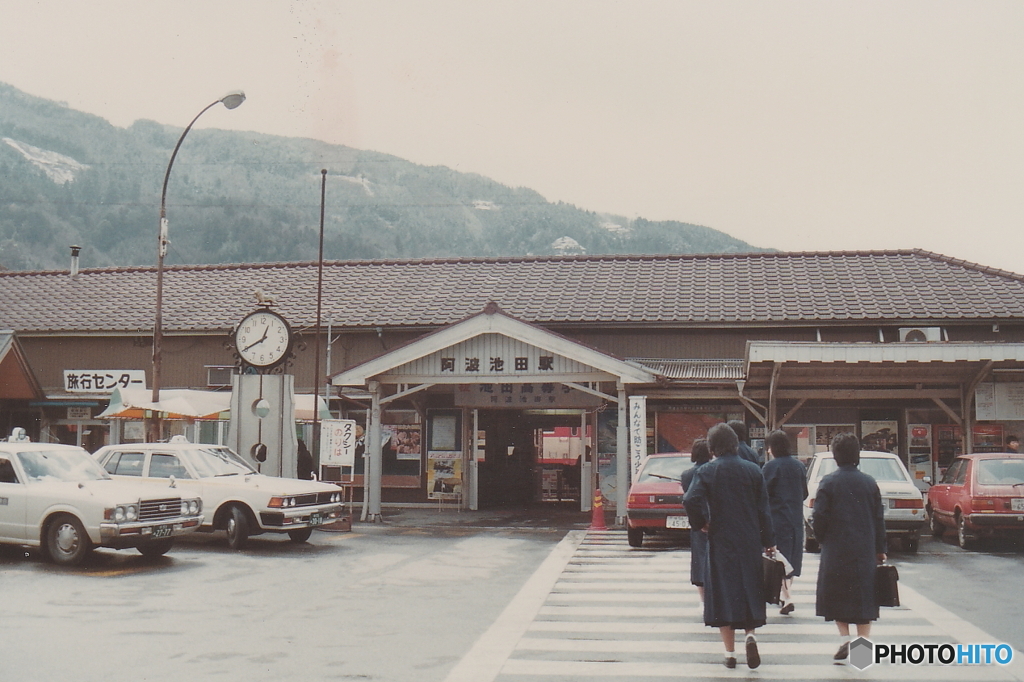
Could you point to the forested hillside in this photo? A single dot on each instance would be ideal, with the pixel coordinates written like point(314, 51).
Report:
point(72, 178)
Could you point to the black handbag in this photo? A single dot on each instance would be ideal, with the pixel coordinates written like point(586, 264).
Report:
point(887, 589)
point(774, 574)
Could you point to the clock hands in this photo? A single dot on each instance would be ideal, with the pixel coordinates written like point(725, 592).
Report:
point(266, 330)
point(262, 350)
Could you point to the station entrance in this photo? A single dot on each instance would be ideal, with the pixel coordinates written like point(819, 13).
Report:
point(516, 391)
point(526, 458)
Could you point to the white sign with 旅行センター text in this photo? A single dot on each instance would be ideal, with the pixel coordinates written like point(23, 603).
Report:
point(102, 380)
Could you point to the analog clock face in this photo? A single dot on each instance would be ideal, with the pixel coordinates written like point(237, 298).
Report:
point(262, 338)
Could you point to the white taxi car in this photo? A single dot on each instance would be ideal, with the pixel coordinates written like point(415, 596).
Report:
point(236, 497)
point(57, 498)
point(903, 502)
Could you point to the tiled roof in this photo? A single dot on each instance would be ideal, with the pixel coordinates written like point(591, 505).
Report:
point(695, 370)
point(688, 290)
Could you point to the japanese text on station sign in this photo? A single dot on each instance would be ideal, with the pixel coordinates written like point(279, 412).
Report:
point(102, 380)
point(338, 442)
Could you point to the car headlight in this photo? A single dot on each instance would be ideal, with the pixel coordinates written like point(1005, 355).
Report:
point(194, 506)
point(131, 512)
point(119, 515)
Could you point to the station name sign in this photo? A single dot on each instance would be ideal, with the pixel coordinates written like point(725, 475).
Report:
point(494, 357)
point(523, 396)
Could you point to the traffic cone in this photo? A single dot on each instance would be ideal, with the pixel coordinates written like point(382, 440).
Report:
point(597, 517)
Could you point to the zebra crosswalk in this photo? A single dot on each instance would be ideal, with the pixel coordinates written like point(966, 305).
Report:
point(600, 609)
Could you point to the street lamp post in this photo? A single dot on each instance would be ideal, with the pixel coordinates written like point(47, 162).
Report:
point(231, 101)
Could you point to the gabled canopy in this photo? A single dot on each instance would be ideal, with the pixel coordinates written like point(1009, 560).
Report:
point(544, 356)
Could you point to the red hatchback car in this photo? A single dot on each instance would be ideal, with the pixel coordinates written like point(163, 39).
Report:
point(655, 502)
point(980, 495)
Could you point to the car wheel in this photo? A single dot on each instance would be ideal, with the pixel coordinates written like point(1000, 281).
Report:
point(963, 536)
point(933, 522)
point(66, 541)
point(811, 545)
point(635, 537)
point(156, 547)
point(300, 535)
point(238, 528)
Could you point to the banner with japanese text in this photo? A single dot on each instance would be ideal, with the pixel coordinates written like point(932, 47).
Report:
point(637, 433)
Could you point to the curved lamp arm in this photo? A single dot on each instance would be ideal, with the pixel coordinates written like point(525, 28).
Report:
point(231, 101)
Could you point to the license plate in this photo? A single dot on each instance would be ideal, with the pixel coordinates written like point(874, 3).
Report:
point(162, 531)
point(1017, 503)
point(315, 519)
point(677, 521)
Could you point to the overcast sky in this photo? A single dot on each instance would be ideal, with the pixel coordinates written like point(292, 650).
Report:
point(796, 125)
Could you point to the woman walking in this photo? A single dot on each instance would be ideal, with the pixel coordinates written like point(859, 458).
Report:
point(727, 500)
point(785, 477)
point(848, 522)
point(699, 454)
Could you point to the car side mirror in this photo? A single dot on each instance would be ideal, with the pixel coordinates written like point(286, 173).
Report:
point(927, 480)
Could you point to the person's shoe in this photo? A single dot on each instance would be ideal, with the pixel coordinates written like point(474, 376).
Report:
point(843, 653)
point(753, 658)
point(730, 662)
point(787, 608)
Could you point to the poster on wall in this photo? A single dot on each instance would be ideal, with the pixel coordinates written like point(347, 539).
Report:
point(1002, 401)
point(824, 433)
point(403, 440)
point(880, 436)
point(988, 437)
point(444, 433)
point(444, 478)
point(676, 431)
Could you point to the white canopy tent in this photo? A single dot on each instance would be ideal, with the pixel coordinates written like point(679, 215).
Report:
point(189, 404)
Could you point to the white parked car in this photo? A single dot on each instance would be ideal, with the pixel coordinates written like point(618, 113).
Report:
point(236, 497)
point(57, 498)
point(903, 502)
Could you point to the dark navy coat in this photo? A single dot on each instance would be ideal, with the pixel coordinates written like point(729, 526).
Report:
point(848, 522)
point(748, 453)
point(698, 538)
point(786, 480)
point(728, 495)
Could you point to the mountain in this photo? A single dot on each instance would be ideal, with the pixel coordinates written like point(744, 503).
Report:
point(234, 197)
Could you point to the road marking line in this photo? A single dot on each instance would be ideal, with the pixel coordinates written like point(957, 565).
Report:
point(819, 628)
point(547, 669)
point(495, 646)
point(549, 603)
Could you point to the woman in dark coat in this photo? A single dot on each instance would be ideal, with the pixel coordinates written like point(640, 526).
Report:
point(727, 499)
point(848, 522)
point(699, 454)
point(785, 477)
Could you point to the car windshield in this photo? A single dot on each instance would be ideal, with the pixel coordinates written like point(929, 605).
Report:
point(1001, 471)
point(661, 468)
point(60, 465)
point(216, 462)
point(878, 468)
